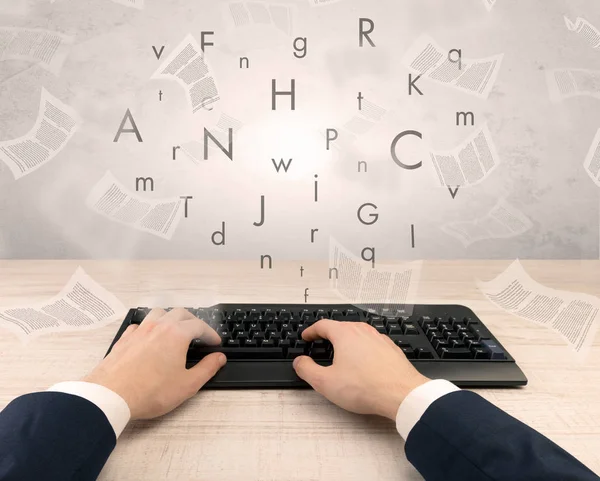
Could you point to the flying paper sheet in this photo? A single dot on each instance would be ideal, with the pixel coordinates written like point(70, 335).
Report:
point(473, 76)
point(469, 163)
point(365, 119)
point(56, 124)
point(573, 315)
point(187, 66)
point(47, 48)
point(321, 3)
point(567, 83)
point(592, 160)
point(139, 4)
point(81, 304)
point(585, 30)
point(502, 222)
point(244, 14)
point(489, 4)
point(112, 200)
point(359, 284)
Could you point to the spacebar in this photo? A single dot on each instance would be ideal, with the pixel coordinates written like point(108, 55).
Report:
point(238, 352)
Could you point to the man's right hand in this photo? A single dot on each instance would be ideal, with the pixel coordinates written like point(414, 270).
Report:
point(369, 374)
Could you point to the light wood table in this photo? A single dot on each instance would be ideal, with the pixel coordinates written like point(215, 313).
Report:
point(295, 434)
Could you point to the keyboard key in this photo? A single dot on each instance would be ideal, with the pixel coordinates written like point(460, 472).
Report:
point(444, 327)
point(285, 315)
point(336, 314)
point(410, 330)
point(259, 336)
point(409, 352)
point(480, 332)
point(294, 352)
point(496, 352)
point(435, 336)
point(242, 352)
point(446, 353)
point(432, 330)
point(267, 343)
point(233, 343)
point(352, 315)
point(242, 335)
point(440, 344)
point(423, 353)
point(319, 353)
point(394, 328)
point(380, 328)
point(466, 336)
point(269, 315)
point(321, 314)
point(285, 343)
point(302, 344)
point(480, 353)
point(400, 341)
point(250, 343)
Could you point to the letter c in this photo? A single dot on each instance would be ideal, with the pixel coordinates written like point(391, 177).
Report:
point(393, 149)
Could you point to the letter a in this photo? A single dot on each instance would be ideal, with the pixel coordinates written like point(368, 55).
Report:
point(123, 130)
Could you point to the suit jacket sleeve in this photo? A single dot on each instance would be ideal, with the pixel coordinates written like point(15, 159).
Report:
point(53, 435)
point(463, 437)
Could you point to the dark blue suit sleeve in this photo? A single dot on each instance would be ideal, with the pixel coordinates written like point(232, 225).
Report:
point(463, 437)
point(52, 435)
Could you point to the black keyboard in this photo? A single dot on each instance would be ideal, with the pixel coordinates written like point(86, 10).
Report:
point(261, 340)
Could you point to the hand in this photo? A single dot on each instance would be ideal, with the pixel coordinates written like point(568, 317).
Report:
point(146, 367)
point(369, 374)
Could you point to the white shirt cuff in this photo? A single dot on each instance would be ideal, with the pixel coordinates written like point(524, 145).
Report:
point(417, 402)
point(109, 402)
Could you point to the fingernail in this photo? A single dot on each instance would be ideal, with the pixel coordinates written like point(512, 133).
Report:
point(222, 359)
point(296, 361)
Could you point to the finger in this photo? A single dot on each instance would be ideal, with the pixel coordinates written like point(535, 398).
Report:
point(202, 372)
point(311, 372)
point(177, 315)
point(155, 314)
point(323, 329)
point(127, 333)
point(198, 329)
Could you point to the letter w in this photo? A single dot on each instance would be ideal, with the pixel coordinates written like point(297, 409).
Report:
point(281, 163)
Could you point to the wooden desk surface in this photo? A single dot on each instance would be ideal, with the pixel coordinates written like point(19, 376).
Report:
point(296, 435)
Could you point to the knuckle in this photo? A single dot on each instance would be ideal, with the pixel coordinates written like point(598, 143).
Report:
point(150, 324)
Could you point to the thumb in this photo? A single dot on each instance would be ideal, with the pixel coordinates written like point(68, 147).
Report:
point(310, 371)
point(202, 372)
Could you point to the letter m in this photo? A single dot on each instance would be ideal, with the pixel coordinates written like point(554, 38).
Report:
point(144, 180)
point(464, 116)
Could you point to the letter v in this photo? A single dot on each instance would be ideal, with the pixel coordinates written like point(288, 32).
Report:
point(158, 54)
